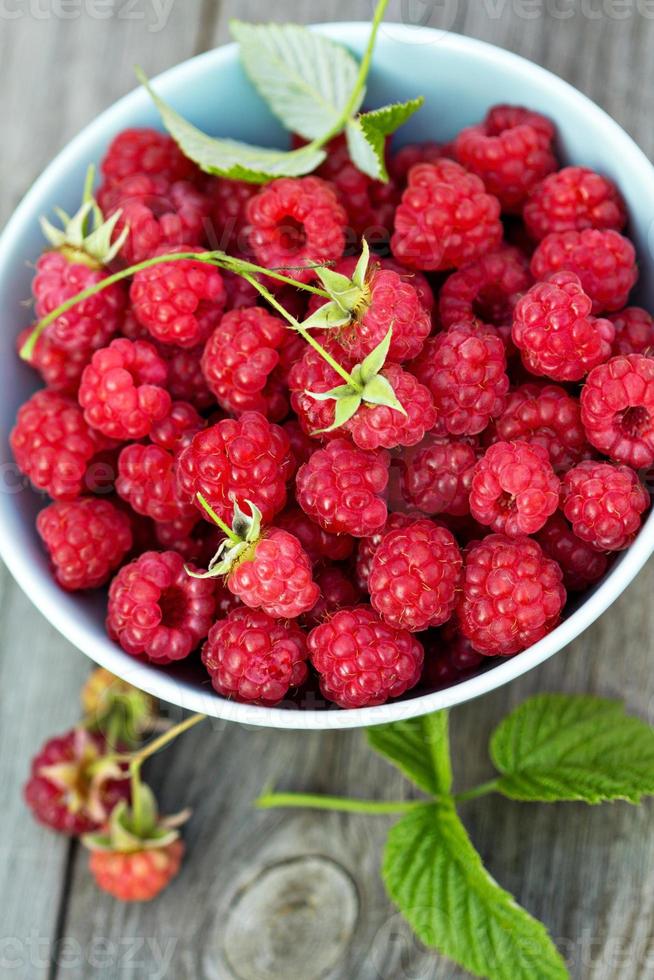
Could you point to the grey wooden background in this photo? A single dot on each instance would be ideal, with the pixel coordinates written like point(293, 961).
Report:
point(297, 896)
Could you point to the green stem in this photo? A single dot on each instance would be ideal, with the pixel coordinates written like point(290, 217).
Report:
point(232, 535)
point(239, 266)
point(482, 790)
point(342, 804)
point(267, 295)
point(364, 66)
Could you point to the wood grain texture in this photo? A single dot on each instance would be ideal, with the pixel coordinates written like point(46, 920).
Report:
point(587, 872)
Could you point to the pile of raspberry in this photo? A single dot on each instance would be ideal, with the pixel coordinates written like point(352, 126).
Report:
point(393, 554)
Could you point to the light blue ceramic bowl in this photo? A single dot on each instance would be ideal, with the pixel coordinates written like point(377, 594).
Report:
point(460, 79)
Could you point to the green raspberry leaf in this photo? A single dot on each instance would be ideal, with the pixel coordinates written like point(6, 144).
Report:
point(231, 158)
point(366, 135)
point(305, 78)
point(437, 879)
point(419, 747)
point(573, 747)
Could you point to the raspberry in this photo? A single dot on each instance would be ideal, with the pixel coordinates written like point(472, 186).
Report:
point(318, 543)
point(134, 152)
point(186, 381)
point(295, 222)
point(401, 162)
point(87, 325)
point(136, 876)
point(389, 298)
point(302, 445)
point(146, 480)
point(53, 445)
point(604, 503)
point(237, 460)
point(555, 332)
point(363, 661)
point(486, 290)
point(604, 260)
point(157, 610)
point(59, 368)
point(63, 791)
point(414, 576)
point(178, 302)
point(241, 363)
point(122, 391)
point(634, 331)
point(445, 219)
point(465, 370)
point(547, 416)
point(367, 547)
point(252, 658)
point(157, 213)
point(512, 595)
point(342, 488)
point(228, 214)
point(381, 427)
point(312, 373)
point(514, 488)
point(572, 199)
point(617, 409)
point(86, 540)
point(436, 480)
point(418, 280)
point(580, 563)
point(449, 658)
point(511, 151)
point(275, 576)
point(337, 590)
point(177, 428)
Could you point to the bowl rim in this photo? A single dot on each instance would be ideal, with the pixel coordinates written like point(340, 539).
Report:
point(185, 695)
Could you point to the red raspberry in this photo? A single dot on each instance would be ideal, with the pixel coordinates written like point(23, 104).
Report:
point(157, 610)
point(312, 373)
point(337, 590)
point(237, 460)
point(136, 876)
point(146, 480)
point(486, 290)
point(302, 445)
point(555, 332)
point(401, 162)
point(53, 445)
point(122, 391)
point(465, 370)
point(86, 540)
point(547, 416)
point(634, 331)
point(449, 657)
point(617, 409)
point(414, 576)
point(275, 576)
point(445, 218)
point(241, 363)
point(514, 488)
point(418, 280)
point(295, 222)
point(511, 151)
point(134, 152)
point(363, 661)
point(580, 563)
point(367, 547)
point(156, 212)
point(572, 199)
point(252, 658)
point(87, 325)
point(436, 480)
point(605, 262)
point(228, 214)
point(604, 503)
point(64, 793)
point(186, 381)
point(342, 488)
point(59, 368)
point(381, 427)
point(175, 430)
point(318, 543)
point(179, 302)
point(512, 595)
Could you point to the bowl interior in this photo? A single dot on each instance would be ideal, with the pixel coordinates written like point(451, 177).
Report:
point(460, 79)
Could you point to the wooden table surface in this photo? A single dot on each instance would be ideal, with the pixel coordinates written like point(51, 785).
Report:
point(266, 896)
